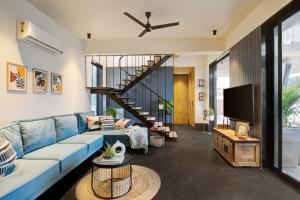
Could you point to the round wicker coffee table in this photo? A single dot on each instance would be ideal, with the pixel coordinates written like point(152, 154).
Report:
point(111, 181)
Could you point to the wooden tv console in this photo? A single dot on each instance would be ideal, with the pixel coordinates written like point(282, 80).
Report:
point(238, 152)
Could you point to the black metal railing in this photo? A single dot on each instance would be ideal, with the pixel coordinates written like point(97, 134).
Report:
point(145, 96)
point(153, 93)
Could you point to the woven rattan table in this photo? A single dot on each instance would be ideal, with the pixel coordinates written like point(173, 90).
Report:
point(111, 181)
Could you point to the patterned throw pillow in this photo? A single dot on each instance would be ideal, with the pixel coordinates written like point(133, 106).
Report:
point(7, 157)
point(93, 123)
point(107, 123)
point(124, 123)
point(12, 133)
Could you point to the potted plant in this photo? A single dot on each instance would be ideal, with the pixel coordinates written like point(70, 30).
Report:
point(109, 151)
point(111, 111)
point(210, 113)
point(168, 103)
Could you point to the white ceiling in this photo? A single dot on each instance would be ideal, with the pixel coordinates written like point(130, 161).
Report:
point(105, 18)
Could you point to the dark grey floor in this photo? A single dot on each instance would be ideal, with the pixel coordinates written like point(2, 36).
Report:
point(190, 169)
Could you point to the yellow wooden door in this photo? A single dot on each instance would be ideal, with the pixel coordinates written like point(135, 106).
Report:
point(191, 98)
point(181, 99)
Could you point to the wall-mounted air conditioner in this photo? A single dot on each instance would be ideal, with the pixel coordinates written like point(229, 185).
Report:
point(35, 36)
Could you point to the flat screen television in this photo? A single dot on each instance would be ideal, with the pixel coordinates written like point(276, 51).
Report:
point(239, 103)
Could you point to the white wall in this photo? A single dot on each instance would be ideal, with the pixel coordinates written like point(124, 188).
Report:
point(13, 105)
point(201, 72)
point(145, 46)
point(265, 10)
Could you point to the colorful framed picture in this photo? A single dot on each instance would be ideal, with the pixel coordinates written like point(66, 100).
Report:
point(16, 77)
point(39, 80)
point(242, 129)
point(56, 83)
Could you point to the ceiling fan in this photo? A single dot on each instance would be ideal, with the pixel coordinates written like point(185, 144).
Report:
point(148, 27)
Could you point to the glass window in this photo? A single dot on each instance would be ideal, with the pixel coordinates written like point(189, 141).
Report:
point(222, 82)
point(291, 96)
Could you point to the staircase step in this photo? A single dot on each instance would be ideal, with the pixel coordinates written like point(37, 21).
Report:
point(157, 58)
point(151, 63)
point(144, 113)
point(137, 108)
point(145, 67)
point(164, 129)
point(139, 71)
point(130, 103)
point(126, 81)
point(151, 118)
point(173, 135)
point(115, 92)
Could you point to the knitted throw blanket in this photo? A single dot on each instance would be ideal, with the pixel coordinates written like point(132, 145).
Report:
point(138, 137)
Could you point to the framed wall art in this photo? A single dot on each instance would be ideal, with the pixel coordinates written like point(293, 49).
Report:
point(16, 77)
point(56, 83)
point(39, 80)
point(242, 128)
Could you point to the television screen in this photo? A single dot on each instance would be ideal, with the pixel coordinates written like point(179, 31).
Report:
point(239, 103)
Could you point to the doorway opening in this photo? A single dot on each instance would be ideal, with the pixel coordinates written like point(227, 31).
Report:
point(184, 95)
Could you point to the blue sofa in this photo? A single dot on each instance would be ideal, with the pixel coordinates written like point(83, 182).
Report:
point(47, 149)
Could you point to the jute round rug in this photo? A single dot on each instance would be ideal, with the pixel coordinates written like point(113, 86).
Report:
point(145, 185)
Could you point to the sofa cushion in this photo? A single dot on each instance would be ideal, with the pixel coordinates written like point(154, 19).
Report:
point(28, 178)
point(66, 126)
point(94, 142)
point(37, 134)
point(82, 120)
point(69, 155)
point(12, 133)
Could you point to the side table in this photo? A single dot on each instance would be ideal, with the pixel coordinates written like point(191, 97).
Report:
point(111, 181)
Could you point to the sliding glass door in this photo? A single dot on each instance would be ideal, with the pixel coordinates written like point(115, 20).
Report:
point(287, 96)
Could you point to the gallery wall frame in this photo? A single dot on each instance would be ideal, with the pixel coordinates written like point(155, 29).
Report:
point(56, 83)
point(16, 77)
point(39, 80)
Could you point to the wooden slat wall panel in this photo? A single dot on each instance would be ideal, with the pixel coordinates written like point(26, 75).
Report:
point(245, 68)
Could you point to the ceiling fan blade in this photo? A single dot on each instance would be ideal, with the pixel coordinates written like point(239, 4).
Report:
point(142, 33)
point(164, 25)
point(135, 19)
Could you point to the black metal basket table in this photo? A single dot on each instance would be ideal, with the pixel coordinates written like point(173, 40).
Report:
point(111, 181)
